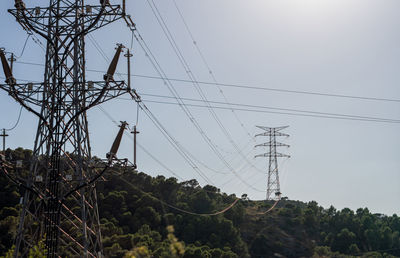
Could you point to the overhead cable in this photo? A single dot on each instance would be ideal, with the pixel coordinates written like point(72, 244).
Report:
point(230, 206)
point(141, 146)
point(274, 108)
point(191, 75)
point(195, 43)
point(156, 122)
point(188, 113)
point(244, 86)
point(281, 113)
point(16, 123)
point(259, 109)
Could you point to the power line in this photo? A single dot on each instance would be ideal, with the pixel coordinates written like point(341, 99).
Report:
point(156, 122)
point(208, 66)
point(141, 146)
point(162, 129)
point(161, 73)
point(280, 113)
point(243, 86)
point(174, 143)
point(17, 122)
point(274, 108)
point(307, 113)
point(152, 156)
point(230, 206)
point(191, 75)
point(159, 126)
point(232, 170)
point(183, 152)
point(23, 48)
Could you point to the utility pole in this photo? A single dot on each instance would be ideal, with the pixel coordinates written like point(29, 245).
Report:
point(61, 175)
point(273, 185)
point(134, 132)
point(4, 135)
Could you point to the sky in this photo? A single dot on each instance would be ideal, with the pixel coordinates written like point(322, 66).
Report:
point(339, 47)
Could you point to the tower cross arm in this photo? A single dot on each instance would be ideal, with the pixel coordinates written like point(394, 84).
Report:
point(267, 144)
point(276, 129)
point(269, 154)
point(272, 133)
point(32, 93)
point(94, 17)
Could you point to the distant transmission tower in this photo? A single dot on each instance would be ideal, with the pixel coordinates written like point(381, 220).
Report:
point(273, 185)
point(59, 205)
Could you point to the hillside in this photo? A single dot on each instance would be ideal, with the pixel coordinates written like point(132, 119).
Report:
point(143, 216)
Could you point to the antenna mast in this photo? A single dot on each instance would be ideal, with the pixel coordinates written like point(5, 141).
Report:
point(273, 185)
point(62, 176)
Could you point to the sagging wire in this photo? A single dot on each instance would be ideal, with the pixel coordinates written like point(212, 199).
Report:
point(195, 43)
point(10, 80)
point(271, 208)
point(142, 106)
point(132, 27)
point(16, 123)
point(173, 142)
point(230, 206)
point(16, 181)
point(156, 65)
point(23, 48)
point(148, 152)
point(191, 75)
point(135, 96)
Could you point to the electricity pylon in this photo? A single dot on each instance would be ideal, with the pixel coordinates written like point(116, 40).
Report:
point(273, 185)
point(62, 175)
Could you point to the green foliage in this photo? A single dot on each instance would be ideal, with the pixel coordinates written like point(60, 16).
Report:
point(137, 222)
point(37, 251)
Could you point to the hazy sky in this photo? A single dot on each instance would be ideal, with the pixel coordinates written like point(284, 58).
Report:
point(345, 47)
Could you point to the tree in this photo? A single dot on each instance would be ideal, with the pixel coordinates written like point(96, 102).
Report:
point(343, 241)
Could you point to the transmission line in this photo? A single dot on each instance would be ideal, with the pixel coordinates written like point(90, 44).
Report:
point(329, 115)
point(183, 152)
point(274, 108)
point(191, 75)
point(174, 142)
point(17, 122)
point(159, 126)
point(161, 73)
point(23, 48)
point(243, 86)
point(141, 146)
point(230, 206)
point(283, 113)
point(261, 109)
point(195, 43)
point(152, 156)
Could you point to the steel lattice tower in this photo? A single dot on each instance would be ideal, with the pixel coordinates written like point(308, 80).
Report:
point(62, 175)
point(273, 185)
